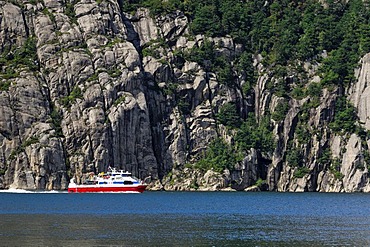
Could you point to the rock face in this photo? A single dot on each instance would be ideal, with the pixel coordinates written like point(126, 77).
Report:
point(100, 87)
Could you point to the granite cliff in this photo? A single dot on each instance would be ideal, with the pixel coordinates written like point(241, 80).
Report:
point(85, 84)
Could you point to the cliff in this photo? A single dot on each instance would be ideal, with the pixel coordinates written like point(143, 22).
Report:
point(86, 84)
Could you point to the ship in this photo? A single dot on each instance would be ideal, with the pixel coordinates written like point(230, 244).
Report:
point(111, 181)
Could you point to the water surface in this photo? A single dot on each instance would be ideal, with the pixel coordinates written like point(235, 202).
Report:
point(185, 219)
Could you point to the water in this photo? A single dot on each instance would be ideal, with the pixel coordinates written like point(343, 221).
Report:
point(185, 219)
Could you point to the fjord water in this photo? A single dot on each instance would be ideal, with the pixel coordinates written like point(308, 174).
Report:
point(185, 219)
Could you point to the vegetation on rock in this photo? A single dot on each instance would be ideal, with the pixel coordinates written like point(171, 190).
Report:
point(265, 77)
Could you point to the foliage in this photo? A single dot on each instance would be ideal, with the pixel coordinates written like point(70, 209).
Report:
point(34, 2)
point(314, 90)
point(170, 88)
point(325, 157)
point(255, 135)
point(156, 7)
point(349, 42)
point(335, 169)
point(21, 148)
point(119, 100)
point(130, 6)
point(93, 77)
point(27, 54)
point(160, 7)
point(366, 155)
point(294, 157)
point(203, 55)
point(219, 156)
point(207, 21)
point(50, 14)
point(229, 116)
point(345, 117)
point(70, 12)
point(298, 93)
point(301, 133)
point(152, 52)
point(12, 59)
point(56, 121)
point(184, 106)
point(194, 184)
point(30, 141)
point(286, 33)
point(71, 98)
point(225, 73)
point(244, 66)
point(280, 111)
point(114, 72)
point(280, 88)
point(4, 85)
point(300, 172)
point(284, 30)
point(260, 182)
point(152, 48)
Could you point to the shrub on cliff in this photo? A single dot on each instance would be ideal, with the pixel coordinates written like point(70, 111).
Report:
point(345, 117)
point(218, 156)
point(255, 135)
point(229, 116)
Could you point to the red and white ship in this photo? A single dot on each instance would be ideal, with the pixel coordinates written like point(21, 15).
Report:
point(112, 181)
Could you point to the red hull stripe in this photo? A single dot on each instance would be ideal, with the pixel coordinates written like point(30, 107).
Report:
point(81, 189)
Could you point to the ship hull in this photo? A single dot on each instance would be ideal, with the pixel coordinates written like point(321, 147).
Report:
point(109, 188)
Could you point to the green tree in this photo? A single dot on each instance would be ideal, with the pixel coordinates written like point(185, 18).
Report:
point(229, 116)
point(255, 135)
point(203, 55)
point(245, 67)
point(345, 117)
point(364, 43)
point(308, 45)
point(225, 73)
point(207, 21)
point(280, 111)
point(219, 156)
point(294, 157)
point(235, 20)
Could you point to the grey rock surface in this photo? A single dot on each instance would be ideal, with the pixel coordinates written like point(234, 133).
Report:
point(106, 92)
